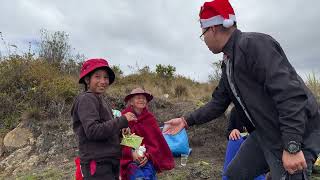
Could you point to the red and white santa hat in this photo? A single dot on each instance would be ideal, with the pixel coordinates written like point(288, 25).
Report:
point(217, 12)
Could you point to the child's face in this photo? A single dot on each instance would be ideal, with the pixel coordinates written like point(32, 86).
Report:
point(99, 81)
point(139, 101)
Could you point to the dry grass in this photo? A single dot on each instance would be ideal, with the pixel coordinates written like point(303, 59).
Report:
point(178, 88)
point(314, 84)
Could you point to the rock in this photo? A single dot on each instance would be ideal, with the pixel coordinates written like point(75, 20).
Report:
point(15, 159)
point(26, 165)
point(166, 96)
point(18, 138)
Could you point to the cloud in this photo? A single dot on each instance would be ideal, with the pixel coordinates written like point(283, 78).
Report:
point(162, 32)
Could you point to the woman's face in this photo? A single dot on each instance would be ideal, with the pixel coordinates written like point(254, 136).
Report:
point(139, 101)
point(99, 82)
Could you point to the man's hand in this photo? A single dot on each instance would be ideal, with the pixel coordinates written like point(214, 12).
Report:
point(293, 162)
point(130, 116)
point(234, 135)
point(174, 126)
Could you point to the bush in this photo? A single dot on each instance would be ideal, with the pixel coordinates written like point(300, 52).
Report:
point(145, 70)
point(117, 71)
point(165, 71)
point(33, 83)
point(54, 48)
point(181, 91)
point(216, 71)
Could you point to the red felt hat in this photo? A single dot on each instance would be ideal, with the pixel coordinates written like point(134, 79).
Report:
point(93, 64)
point(217, 12)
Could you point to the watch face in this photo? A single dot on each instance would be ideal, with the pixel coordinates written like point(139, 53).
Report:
point(293, 147)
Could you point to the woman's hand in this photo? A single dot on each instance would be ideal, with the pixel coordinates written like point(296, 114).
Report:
point(136, 157)
point(142, 160)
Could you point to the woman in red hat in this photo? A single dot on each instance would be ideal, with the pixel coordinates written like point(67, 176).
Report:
point(158, 156)
point(94, 124)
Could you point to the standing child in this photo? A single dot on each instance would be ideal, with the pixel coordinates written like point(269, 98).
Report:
point(93, 123)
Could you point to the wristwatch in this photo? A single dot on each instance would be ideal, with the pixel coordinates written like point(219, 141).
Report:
point(293, 147)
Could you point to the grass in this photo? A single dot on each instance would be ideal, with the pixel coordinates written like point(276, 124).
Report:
point(314, 84)
point(48, 174)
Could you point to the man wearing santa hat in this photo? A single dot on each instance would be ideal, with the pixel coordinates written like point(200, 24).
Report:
point(282, 115)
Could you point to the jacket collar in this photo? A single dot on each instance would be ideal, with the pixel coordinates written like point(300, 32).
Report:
point(228, 48)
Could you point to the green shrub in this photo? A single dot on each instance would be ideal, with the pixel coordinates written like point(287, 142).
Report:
point(10, 122)
point(117, 71)
point(165, 71)
point(33, 83)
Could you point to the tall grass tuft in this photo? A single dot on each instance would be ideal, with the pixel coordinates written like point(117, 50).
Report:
point(314, 85)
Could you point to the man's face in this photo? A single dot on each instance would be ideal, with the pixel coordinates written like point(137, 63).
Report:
point(211, 39)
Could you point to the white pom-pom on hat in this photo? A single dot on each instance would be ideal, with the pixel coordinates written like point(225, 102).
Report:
point(227, 23)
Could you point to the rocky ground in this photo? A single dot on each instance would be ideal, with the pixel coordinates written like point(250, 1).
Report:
point(44, 149)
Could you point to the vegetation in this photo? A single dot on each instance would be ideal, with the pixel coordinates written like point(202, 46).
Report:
point(45, 84)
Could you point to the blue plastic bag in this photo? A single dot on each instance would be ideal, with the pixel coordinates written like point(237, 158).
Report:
point(178, 143)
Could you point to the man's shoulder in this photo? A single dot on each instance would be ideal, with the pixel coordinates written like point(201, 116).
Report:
point(248, 39)
point(254, 35)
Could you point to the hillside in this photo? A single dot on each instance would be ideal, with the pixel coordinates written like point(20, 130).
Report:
point(36, 94)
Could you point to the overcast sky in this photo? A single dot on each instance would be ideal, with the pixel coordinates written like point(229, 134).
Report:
point(129, 32)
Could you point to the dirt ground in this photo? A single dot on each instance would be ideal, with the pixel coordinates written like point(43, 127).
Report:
point(208, 143)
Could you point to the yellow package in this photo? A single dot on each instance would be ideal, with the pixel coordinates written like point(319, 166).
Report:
point(317, 162)
point(131, 140)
